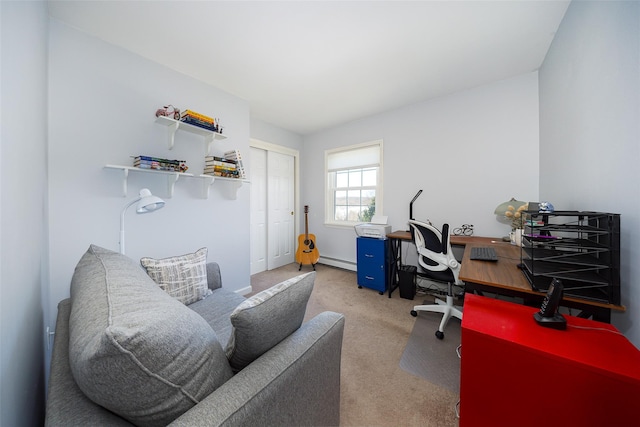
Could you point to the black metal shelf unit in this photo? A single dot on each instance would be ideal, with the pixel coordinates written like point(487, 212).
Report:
point(579, 247)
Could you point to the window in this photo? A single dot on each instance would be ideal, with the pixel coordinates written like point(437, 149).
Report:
point(354, 183)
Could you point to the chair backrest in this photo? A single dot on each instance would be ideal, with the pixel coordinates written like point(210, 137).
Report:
point(434, 251)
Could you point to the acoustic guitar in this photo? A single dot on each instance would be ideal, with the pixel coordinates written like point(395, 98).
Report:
point(307, 252)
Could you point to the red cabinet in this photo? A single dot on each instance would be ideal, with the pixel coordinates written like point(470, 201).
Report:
point(517, 373)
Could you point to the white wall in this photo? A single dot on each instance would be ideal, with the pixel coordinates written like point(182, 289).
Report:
point(102, 111)
point(590, 128)
point(23, 215)
point(468, 151)
point(272, 134)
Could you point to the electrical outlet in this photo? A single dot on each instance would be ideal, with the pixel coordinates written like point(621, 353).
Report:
point(48, 335)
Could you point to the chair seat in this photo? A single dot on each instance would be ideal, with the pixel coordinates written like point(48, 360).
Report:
point(445, 276)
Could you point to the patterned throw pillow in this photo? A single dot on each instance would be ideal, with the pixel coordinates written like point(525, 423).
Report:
point(183, 277)
point(268, 317)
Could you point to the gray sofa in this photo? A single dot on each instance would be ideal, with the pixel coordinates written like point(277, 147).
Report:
point(223, 360)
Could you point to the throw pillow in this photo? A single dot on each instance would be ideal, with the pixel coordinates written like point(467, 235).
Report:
point(265, 319)
point(135, 350)
point(183, 277)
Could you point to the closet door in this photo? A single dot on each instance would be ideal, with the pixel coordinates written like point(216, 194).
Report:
point(280, 202)
point(258, 215)
point(272, 215)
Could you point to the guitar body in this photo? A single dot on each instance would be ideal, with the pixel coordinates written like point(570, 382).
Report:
point(307, 252)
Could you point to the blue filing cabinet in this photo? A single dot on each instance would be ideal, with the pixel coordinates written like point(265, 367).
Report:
point(373, 263)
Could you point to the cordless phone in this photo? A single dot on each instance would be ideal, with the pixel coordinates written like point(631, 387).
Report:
point(548, 315)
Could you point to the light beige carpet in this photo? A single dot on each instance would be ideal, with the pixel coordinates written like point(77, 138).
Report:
point(375, 390)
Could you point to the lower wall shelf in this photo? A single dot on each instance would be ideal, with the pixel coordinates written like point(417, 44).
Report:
point(172, 178)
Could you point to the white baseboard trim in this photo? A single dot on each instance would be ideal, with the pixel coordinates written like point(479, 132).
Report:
point(244, 291)
point(333, 262)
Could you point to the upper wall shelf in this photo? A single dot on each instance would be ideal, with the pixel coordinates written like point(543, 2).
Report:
point(173, 126)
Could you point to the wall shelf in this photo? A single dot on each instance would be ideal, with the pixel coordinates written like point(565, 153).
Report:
point(234, 184)
point(173, 126)
point(172, 178)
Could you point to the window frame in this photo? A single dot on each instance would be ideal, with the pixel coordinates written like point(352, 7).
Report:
point(329, 191)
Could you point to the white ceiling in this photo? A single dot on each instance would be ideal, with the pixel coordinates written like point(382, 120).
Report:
point(310, 65)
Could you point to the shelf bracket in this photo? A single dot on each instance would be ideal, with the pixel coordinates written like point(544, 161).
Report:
point(207, 181)
point(234, 186)
point(172, 178)
point(124, 182)
point(173, 127)
point(208, 141)
point(234, 190)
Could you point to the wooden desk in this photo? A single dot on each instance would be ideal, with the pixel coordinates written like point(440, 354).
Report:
point(397, 237)
point(502, 277)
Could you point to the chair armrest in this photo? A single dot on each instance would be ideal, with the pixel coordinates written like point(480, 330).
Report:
point(295, 383)
point(214, 278)
point(66, 403)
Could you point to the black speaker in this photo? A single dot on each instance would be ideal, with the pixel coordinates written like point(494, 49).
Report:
point(407, 281)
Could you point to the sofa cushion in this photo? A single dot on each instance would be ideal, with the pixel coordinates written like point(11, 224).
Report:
point(268, 317)
point(217, 309)
point(134, 349)
point(184, 277)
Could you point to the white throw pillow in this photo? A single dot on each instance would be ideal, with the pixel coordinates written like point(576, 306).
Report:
point(183, 277)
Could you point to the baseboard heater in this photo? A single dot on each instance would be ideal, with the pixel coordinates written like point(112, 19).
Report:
point(334, 262)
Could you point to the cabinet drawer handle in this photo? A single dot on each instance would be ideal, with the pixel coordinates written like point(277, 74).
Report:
point(368, 255)
point(369, 277)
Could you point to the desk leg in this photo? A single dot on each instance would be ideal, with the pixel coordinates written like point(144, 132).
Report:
point(395, 258)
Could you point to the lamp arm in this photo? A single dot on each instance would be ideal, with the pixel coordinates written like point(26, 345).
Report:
point(124, 210)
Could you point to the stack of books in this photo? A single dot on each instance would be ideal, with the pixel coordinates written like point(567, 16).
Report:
point(234, 155)
point(200, 120)
point(156, 163)
point(221, 166)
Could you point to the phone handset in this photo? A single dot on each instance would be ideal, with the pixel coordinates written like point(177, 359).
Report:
point(548, 315)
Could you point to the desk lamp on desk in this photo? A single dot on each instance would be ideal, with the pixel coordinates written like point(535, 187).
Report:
point(411, 207)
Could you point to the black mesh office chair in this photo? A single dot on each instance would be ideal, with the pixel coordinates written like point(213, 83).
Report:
point(438, 264)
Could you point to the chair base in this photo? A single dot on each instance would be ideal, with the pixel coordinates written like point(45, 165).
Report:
point(447, 309)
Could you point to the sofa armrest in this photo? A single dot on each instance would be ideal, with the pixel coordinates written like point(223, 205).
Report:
point(296, 383)
point(66, 403)
point(214, 278)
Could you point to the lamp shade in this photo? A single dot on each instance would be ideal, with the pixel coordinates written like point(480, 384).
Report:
point(504, 206)
point(148, 202)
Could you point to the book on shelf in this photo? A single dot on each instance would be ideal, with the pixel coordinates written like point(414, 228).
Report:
point(196, 122)
point(157, 163)
point(194, 115)
point(219, 161)
point(222, 172)
point(234, 155)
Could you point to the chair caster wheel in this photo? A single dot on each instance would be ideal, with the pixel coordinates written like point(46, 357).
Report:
point(414, 313)
point(439, 335)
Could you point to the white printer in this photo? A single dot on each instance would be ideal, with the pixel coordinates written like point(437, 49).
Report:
point(376, 229)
